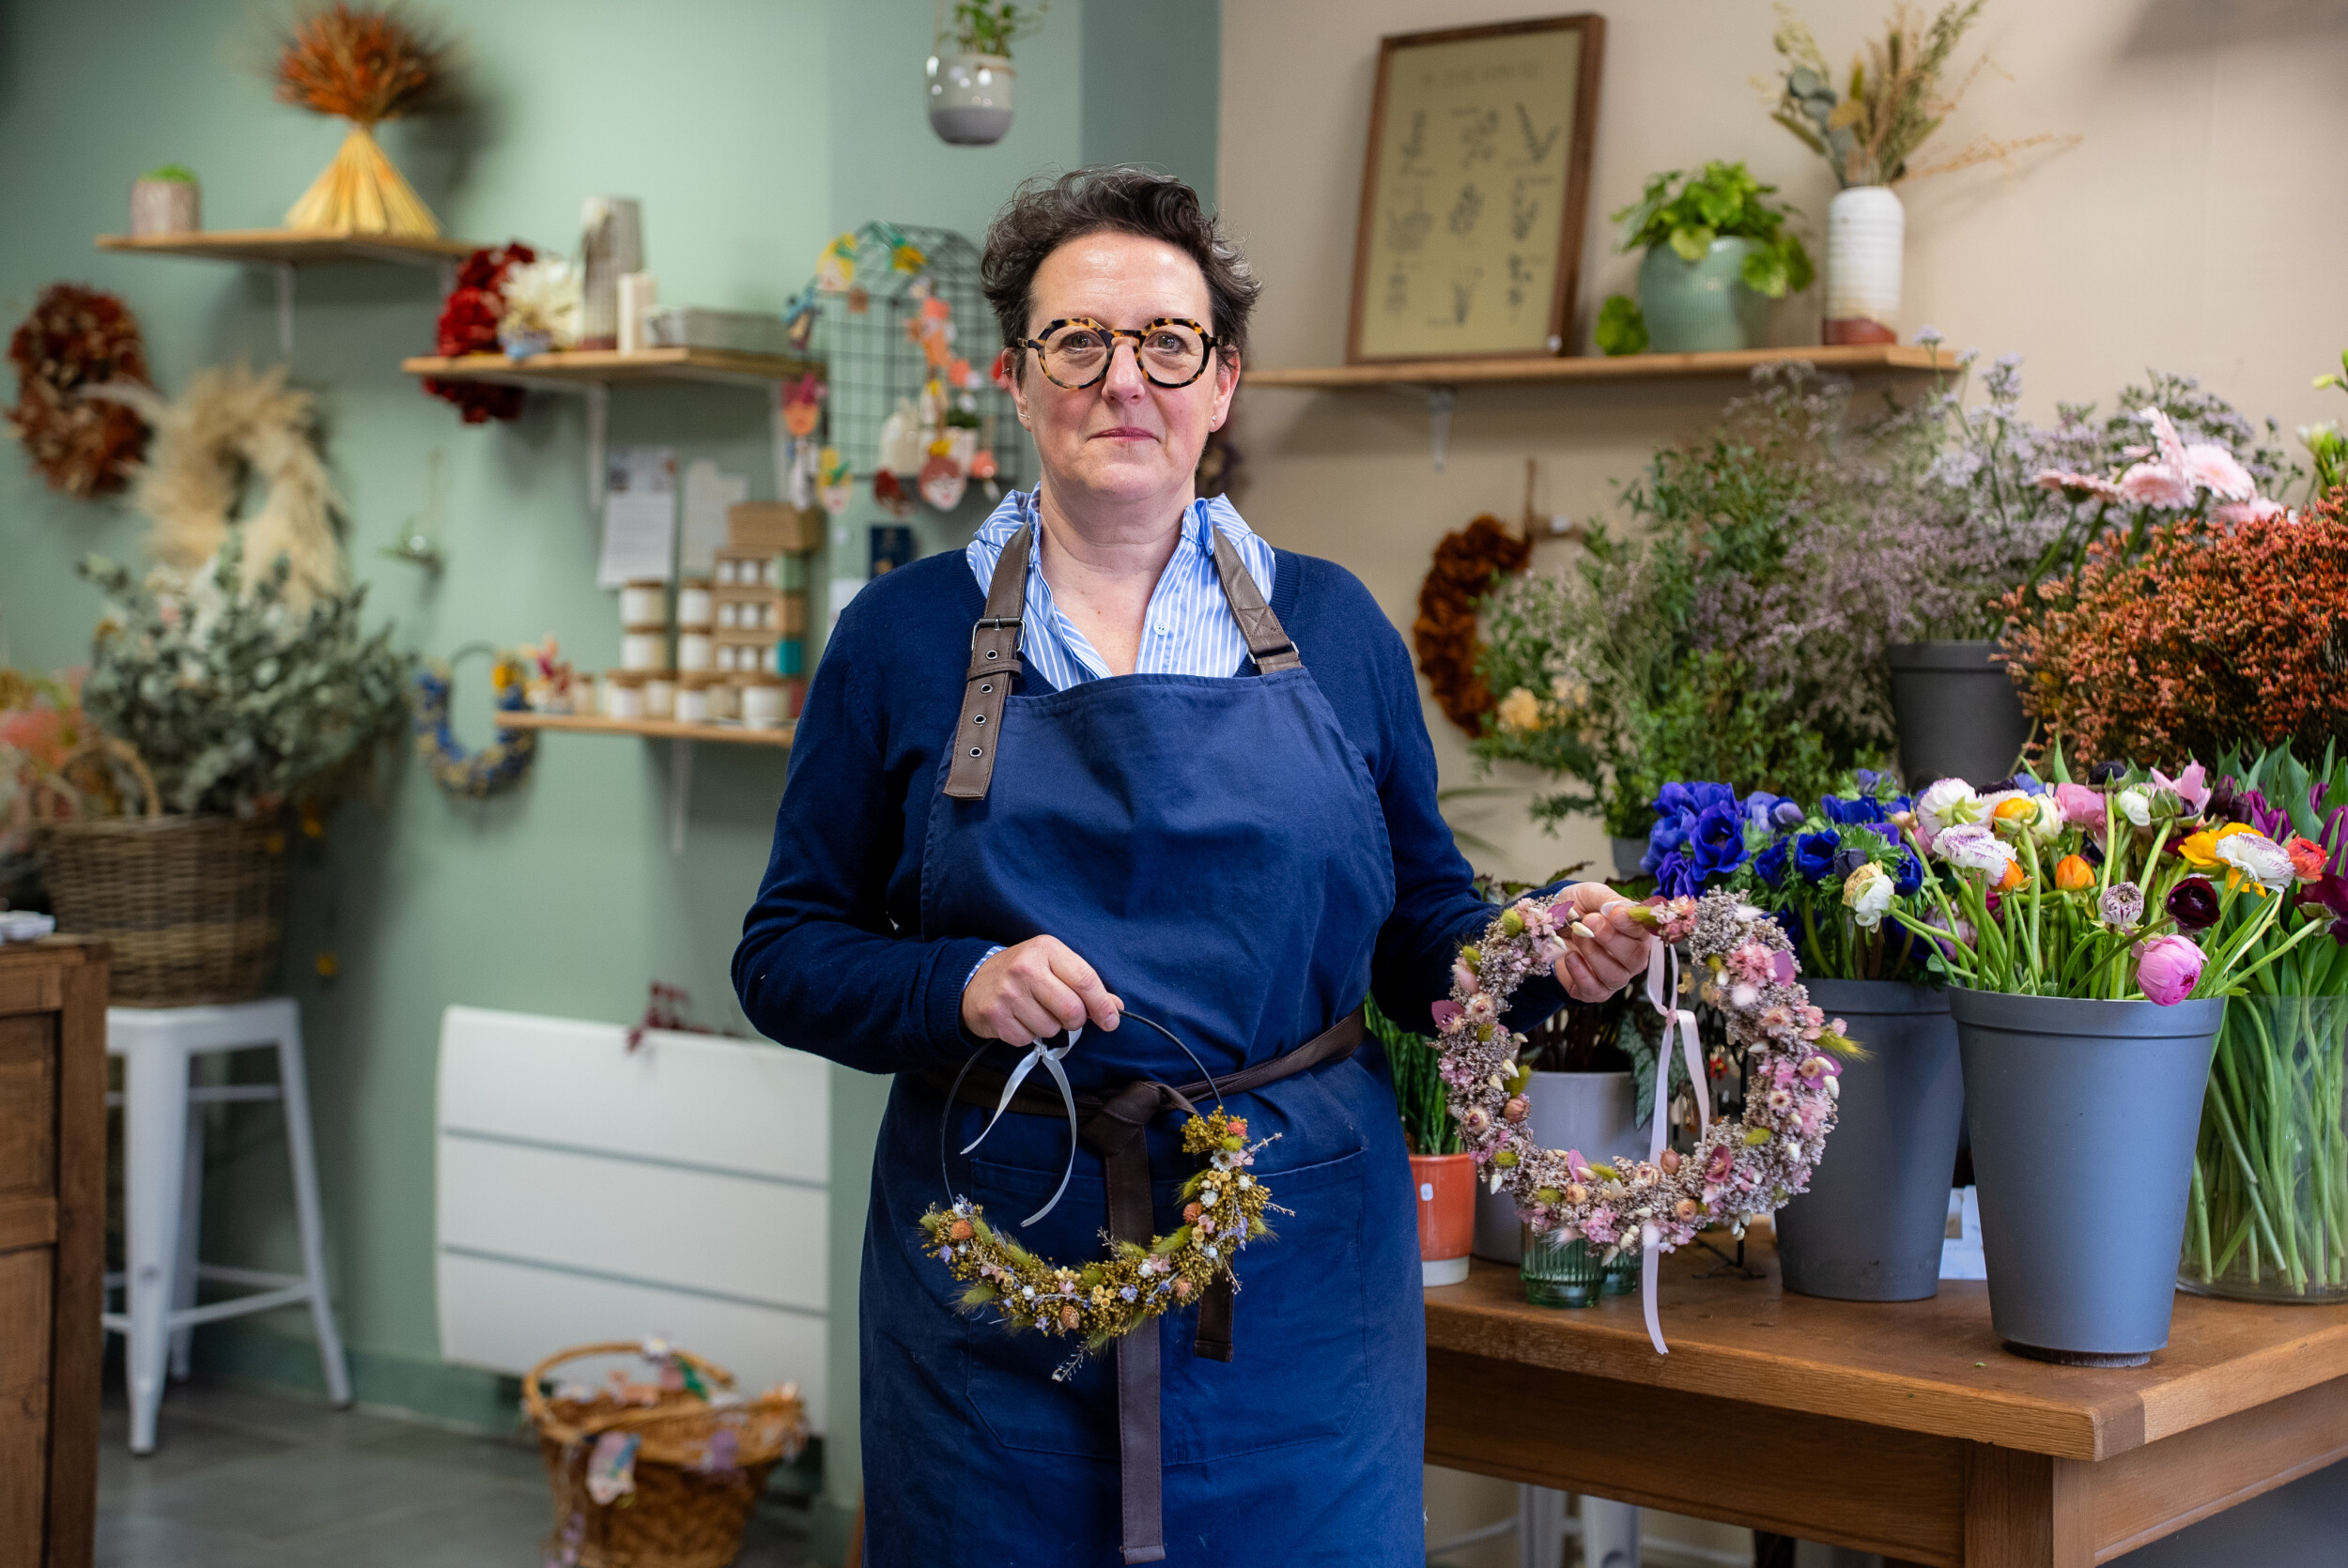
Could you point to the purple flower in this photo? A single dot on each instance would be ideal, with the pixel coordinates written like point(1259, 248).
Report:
point(1841, 808)
point(1676, 877)
point(1785, 816)
point(1911, 875)
point(2330, 893)
point(1771, 863)
point(1813, 854)
point(2193, 902)
point(1717, 845)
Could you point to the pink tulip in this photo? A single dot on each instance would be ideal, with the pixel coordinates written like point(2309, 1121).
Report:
point(2191, 786)
point(2081, 805)
point(2167, 967)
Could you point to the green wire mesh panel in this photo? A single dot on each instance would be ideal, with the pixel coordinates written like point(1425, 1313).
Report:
point(875, 360)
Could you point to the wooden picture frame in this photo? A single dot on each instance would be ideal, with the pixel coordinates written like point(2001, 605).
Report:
point(1490, 126)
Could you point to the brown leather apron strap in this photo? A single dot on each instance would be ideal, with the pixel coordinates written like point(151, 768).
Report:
point(1115, 1127)
point(994, 660)
point(1268, 641)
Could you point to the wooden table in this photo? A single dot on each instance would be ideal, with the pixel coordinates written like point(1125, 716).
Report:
point(1904, 1429)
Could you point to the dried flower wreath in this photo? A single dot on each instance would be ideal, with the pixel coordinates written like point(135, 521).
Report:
point(1743, 965)
point(75, 339)
point(1445, 634)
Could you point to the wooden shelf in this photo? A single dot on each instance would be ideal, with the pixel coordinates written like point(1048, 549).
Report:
point(293, 247)
point(652, 729)
point(1628, 367)
point(609, 367)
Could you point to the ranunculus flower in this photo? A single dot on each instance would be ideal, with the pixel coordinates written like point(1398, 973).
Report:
point(2167, 967)
point(2081, 807)
point(1868, 895)
point(2038, 815)
point(1947, 803)
point(2307, 860)
point(1813, 856)
point(2193, 903)
point(2072, 874)
point(2135, 804)
point(2123, 905)
point(1972, 846)
point(2257, 857)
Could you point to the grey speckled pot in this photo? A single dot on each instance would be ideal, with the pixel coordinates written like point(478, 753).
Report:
point(2084, 1117)
point(1956, 711)
point(1871, 1225)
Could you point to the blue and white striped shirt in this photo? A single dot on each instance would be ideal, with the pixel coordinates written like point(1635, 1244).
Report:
point(1187, 630)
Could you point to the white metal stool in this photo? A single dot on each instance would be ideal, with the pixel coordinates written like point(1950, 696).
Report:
point(163, 1188)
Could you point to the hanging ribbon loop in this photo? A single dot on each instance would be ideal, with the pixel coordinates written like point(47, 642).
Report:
point(1048, 1056)
point(1663, 989)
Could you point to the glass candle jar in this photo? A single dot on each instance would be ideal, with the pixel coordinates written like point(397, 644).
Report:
point(1561, 1273)
point(644, 648)
point(729, 616)
point(725, 699)
point(623, 694)
point(693, 604)
point(660, 696)
point(694, 651)
point(763, 700)
point(644, 602)
point(692, 696)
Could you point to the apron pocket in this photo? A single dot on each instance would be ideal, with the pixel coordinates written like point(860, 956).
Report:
point(1300, 1325)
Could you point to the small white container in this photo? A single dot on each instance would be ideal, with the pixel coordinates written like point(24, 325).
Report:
point(729, 617)
point(623, 694)
point(726, 661)
point(725, 700)
point(692, 604)
point(644, 648)
point(692, 698)
point(660, 696)
point(694, 651)
point(725, 573)
point(762, 701)
point(644, 602)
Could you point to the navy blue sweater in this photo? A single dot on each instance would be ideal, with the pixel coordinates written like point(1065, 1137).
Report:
point(831, 959)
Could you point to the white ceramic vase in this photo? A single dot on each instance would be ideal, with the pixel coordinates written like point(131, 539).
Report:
point(970, 97)
point(1866, 232)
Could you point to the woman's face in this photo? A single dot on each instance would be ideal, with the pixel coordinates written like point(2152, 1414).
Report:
point(1123, 439)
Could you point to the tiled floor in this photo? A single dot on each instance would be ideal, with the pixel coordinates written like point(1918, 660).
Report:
point(246, 1480)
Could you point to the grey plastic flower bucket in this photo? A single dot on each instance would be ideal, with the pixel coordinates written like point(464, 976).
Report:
point(1597, 1112)
point(2084, 1116)
point(1871, 1225)
point(1956, 711)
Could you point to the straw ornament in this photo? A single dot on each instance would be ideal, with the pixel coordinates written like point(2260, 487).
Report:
point(366, 66)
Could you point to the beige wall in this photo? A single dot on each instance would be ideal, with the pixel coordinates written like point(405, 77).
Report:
point(2195, 227)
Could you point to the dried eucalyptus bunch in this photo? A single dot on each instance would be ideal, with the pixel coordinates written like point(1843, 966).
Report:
point(238, 703)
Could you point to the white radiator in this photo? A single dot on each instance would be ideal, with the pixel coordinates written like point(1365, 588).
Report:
point(590, 1192)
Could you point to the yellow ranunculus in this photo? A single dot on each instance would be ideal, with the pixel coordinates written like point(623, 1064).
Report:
point(2201, 849)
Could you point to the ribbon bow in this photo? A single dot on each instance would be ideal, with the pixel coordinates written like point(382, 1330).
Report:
point(1048, 1056)
point(1662, 984)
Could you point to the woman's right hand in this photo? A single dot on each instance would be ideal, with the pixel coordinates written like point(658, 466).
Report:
point(1038, 988)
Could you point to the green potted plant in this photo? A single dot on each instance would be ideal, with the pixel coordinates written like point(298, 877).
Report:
point(1718, 251)
point(235, 721)
point(166, 200)
point(971, 79)
point(1443, 1173)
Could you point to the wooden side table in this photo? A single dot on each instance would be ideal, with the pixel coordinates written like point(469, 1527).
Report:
point(53, 1227)
point(1899, 1428)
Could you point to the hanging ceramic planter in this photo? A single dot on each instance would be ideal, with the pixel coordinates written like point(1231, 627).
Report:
point(970, 97)
point(1866, 229)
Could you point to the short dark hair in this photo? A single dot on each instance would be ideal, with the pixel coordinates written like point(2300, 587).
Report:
point(1044, 214)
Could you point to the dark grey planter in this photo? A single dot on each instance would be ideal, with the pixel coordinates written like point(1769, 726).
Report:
point(1956, 711)
point(1870, 1227)
point(2084, 1117)
point(1597, 1112)
point(1627, 853)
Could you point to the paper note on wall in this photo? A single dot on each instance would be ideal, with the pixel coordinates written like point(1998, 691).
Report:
point(709, 494)
point(638, 515)
point(843, 590)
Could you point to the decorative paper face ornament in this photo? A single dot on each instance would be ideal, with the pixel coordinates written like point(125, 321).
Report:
point(834, 482)
point(892, 495)
point(835, 270)
point(944, 476)
point(802, 406)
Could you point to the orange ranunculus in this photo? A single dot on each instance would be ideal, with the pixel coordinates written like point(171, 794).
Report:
point(2307, 860)
point(2020, 806)
point(2014, 877)
point(2073, 873)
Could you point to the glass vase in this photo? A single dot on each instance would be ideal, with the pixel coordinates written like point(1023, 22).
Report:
point(2268, 1219)
point(1561, 1273)
point(1622, 1273)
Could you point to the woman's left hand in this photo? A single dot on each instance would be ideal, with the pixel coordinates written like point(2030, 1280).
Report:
point(1594, 967)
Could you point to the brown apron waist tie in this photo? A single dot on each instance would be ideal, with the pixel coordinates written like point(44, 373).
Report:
point(1113, 1126)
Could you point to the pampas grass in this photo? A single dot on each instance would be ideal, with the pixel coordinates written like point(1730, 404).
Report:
point(232, 426)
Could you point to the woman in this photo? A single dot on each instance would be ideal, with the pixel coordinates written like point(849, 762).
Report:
point(1122, 754)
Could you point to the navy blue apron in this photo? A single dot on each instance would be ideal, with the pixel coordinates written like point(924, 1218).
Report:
point(1216, 850)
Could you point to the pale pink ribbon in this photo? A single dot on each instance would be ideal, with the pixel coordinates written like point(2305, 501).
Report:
point(1662, 985)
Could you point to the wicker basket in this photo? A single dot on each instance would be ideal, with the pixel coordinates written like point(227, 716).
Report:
point(194, 906)
point(685, 1512)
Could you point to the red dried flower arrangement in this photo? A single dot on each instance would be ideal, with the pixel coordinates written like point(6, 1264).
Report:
point(358, 64)
point(2216, 635)
point(1445, 634)
point(468, 325)
point(77, 338)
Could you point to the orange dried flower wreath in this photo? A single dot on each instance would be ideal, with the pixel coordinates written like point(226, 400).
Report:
point(2216, 635)
point(1445, 634)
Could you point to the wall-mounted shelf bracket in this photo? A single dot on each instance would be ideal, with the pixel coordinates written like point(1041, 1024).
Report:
point(1439, 402)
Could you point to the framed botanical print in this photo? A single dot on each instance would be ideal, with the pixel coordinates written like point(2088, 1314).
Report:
point(1474, 190)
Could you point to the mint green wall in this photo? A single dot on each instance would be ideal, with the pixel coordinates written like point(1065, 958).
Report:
point(751, 130)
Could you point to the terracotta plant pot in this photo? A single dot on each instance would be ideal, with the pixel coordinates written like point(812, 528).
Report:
point(1447, 1215)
